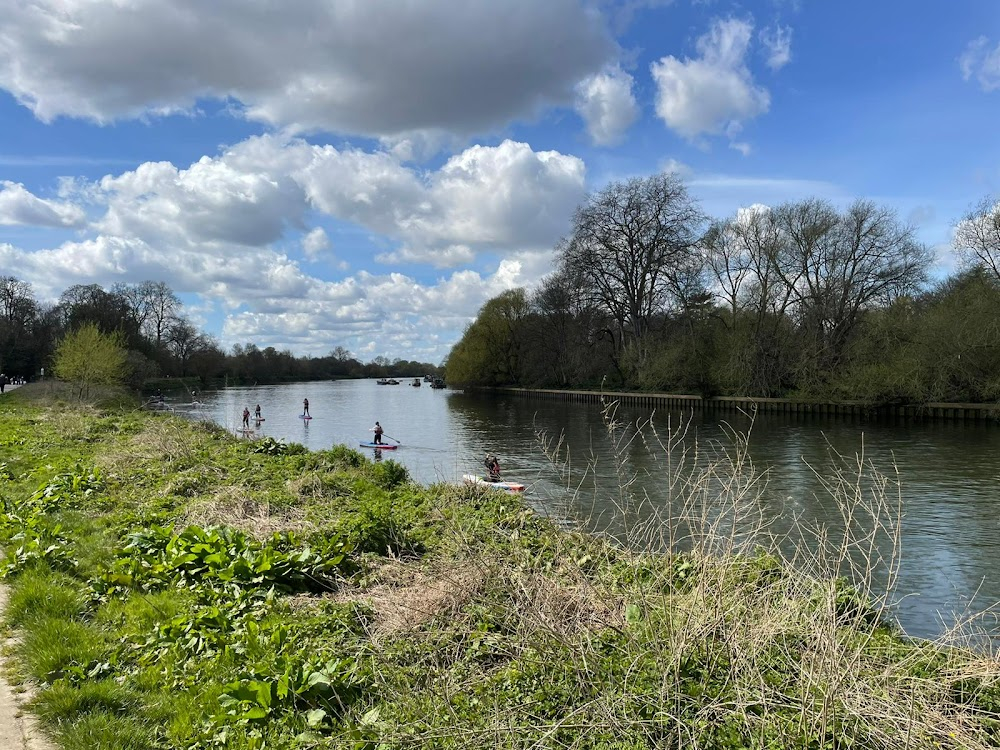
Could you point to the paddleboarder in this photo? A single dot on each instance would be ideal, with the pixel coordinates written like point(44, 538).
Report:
point(377, 429)
point(246, 418)
point(305, 408)
point(492, 465)
point(256, 413)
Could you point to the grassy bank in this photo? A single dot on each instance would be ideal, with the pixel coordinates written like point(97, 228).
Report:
point(174, 587)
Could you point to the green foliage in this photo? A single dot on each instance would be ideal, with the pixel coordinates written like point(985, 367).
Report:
point(390, 474)
point(218, 556)
point(89, 357)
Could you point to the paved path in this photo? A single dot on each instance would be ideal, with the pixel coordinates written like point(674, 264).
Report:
point(18, 729)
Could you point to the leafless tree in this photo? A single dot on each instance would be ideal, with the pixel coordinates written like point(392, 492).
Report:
point(977, 236)
point(154, 306)
point(837, 265)
point(634, 245)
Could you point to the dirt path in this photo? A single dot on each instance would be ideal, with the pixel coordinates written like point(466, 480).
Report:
point(18, 728)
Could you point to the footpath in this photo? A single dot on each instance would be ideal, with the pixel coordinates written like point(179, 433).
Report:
point(18, 728)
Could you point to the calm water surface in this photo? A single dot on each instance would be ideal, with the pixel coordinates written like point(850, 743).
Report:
point(949, 473)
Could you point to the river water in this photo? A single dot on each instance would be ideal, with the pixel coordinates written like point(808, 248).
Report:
point(944, 476)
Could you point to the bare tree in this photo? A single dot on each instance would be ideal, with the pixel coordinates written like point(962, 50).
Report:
point(184, 341)
point(977, 236)
point(633, 245)
point(154, 306)
point(837, 265)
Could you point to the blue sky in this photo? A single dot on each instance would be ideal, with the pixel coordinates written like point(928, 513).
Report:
point(366, 173)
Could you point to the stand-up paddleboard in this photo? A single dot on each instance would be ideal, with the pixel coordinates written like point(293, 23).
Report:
point(379, 446)
point(303, 416)
point(259, 419)
point(483, 482)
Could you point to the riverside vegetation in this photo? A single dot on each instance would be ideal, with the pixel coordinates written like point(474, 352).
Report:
point(174, 587)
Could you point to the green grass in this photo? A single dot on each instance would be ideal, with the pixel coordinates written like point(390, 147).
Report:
point(224, 596)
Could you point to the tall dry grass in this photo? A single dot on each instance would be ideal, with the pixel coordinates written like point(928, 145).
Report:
point(729, 634)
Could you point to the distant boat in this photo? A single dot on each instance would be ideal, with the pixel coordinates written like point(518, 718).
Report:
point(416, 382)
point(438, 383)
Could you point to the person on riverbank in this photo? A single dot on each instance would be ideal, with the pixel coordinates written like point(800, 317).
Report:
point(3, 382)
point(305, 408)
point(492, 464)
point(246, 418)
point(377, 429)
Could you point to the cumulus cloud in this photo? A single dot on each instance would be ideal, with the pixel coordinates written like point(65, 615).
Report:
point(315, 243)
point(607, 105)
point(777, 41)
point(217, 229)
point(378, 68)
point(981, 61)
point(707, 94)
point(19, 206)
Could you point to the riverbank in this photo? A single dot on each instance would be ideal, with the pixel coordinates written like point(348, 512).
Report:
point(727, 404)
point(175, 587)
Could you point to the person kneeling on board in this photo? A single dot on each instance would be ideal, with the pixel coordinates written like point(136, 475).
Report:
point(492, 467)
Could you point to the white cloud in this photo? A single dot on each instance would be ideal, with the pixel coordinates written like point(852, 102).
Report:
point(607, 105)
point(777, 41)
point(981, 62)
point(18, 206)
point(707, 94)
point(216, 229)
point(315, 243)
point(376, 68)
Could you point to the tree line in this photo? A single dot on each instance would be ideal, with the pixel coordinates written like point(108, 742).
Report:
point(147, 321)
point(803, 299)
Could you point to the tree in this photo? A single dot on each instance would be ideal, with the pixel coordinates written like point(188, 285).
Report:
point(154, 307)
point(18, 315)
point(88, 357)
point(744, 255)
point(837, 265)
point(184, 341)
point(89, 303)
point(633, 246)
point(977, 236)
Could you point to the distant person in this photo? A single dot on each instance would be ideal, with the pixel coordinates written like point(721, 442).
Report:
point(377, 429)
point(3, 382)
point(256, 413)
point(492, 467)
point(305, 408)
point(246, 418)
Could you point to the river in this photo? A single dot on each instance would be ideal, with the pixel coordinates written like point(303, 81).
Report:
point(948, 473)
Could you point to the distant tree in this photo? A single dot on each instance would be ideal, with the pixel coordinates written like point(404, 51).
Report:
point(184, 341)
point(153, 305)
point(89, 303)
point(18, 317)
point(838, 265)
point(977, 236)
point(89, 357)
point(633, 248)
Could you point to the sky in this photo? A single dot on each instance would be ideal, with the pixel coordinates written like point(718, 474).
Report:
point(313, 174)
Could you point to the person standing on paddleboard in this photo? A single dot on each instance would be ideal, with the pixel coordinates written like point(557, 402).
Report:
point(246, 417)
point(305, 408)
point(492, 465)
point(377, 429)
point(256, 413)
